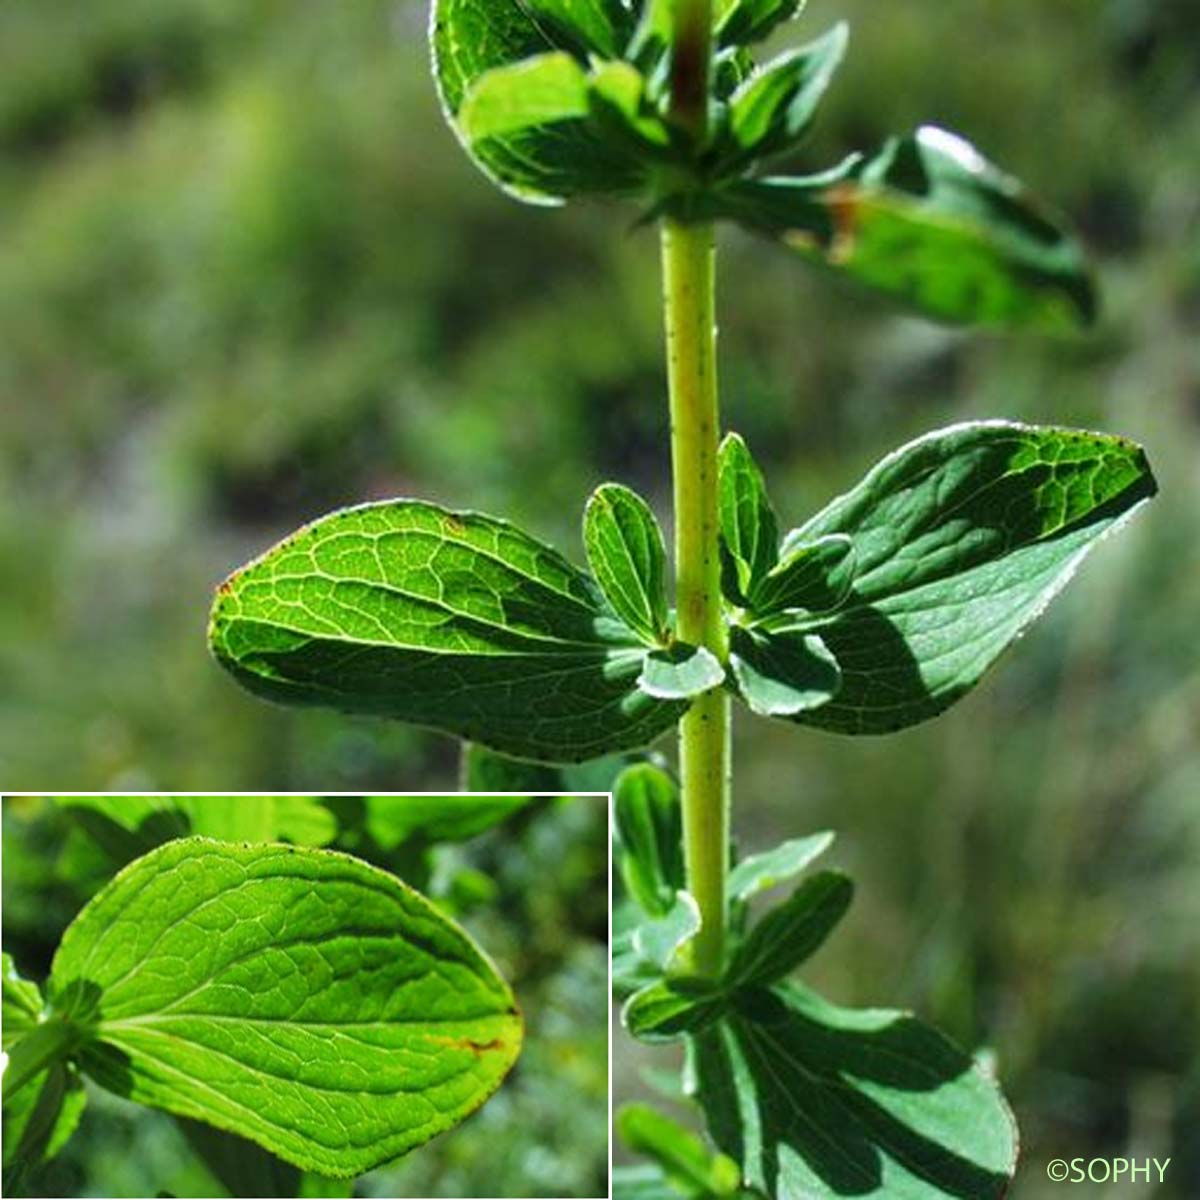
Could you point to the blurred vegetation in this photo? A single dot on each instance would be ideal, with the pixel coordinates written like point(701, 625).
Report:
point(544, 1133)
point(247, 274)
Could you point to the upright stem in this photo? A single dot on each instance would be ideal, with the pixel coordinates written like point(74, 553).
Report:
point(688, 252)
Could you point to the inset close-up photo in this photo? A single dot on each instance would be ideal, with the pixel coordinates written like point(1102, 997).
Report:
point(296, 995)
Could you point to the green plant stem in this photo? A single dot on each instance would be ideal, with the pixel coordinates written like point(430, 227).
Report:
point(40, 1048)
point(689, 253)
point(691, 54)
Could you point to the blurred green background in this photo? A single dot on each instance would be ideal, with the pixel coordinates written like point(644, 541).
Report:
point(247, 275)
point(544, 1133)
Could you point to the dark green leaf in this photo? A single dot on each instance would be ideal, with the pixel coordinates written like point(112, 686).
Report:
point(962, 539)
point(297, 997)
point(772, 111)
point(760, 872)
point(749, 532)
point(814, 576)
point(545, 164)
point(626, 554)
point(792, 931)
point(680, 672)
point(669, 1008)
point(452, 620)
point(684, 1158)
point(740, 22)
point(930, 222)
point(782, 674)
point(649, 824)
point(536, 91)
point(818, 1101)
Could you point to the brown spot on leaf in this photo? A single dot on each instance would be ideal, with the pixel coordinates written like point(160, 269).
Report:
point(843, 200)
point(459, 1043)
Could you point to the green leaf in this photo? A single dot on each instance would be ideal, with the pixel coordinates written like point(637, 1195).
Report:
point(683, 1157)
point(793, 931)
point(933, 224)
point(819, 1101)
point(669, 1008)
point(760, 872)
point(782, 674)
point(40, 1117)
point(649, 824)
point(962, 538)
point(297, 997)
point(680, 672)
point(391, 820)
point(625, 551)
point(772, 111)
point(618, 99)
point(659, 941)
point(127, 826)
point(588, 26)
point(537, 91)
point(814, 576)
point(749, 532)
point(548, 163)
point(456, 621)
point(22, 1002)
point(740, 22)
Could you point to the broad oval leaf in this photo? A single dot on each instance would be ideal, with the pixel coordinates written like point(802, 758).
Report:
point(821, 1101)
point(933, 224)
point(542, 164)
point(625, 551)
point(452, 620)
point(962, 538)
point(300, 998)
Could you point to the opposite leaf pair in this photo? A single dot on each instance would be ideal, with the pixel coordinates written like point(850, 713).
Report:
point(805, 1097)
point(556, 99)
point(877, 613)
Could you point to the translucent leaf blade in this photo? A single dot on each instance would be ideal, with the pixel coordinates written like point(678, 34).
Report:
point(455, 621)
point(297, 997)
point(933, 224)
point(538, 91)
point(625, 551)
point(963, 537)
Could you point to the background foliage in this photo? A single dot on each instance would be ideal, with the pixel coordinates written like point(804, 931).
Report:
point(247, 275)
point(547, 935)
